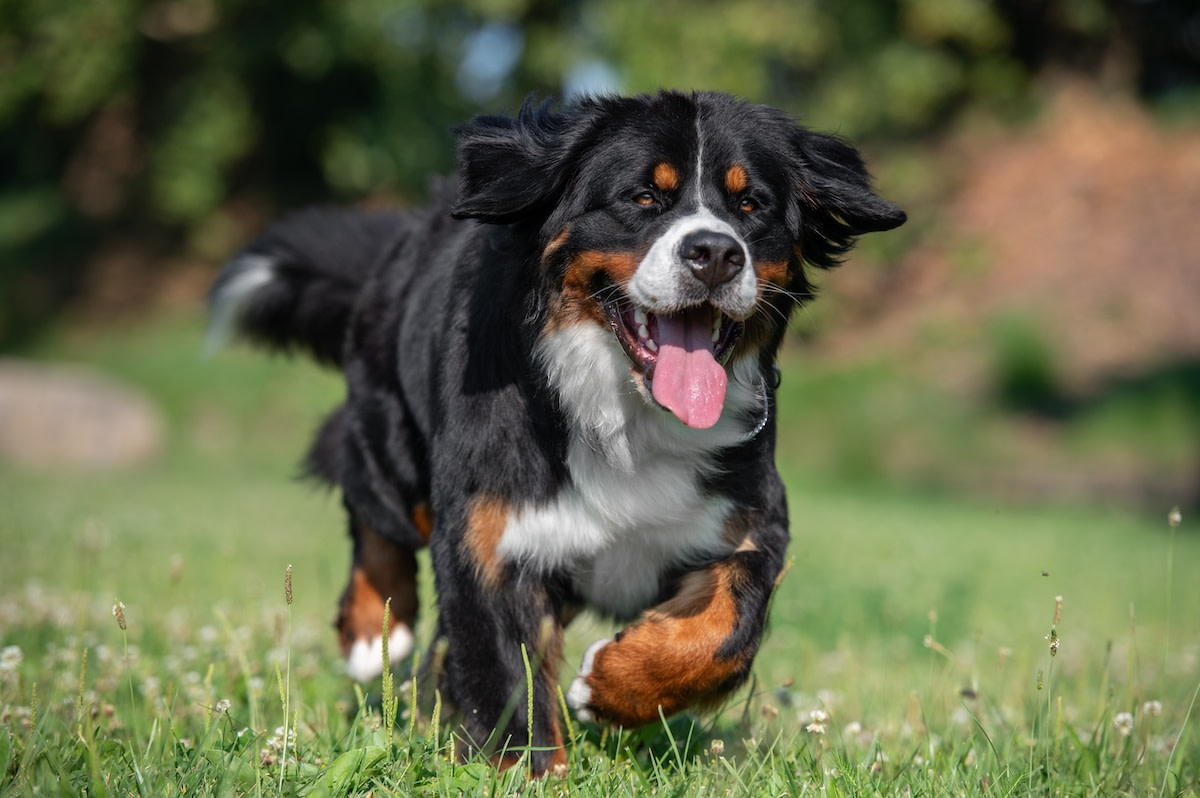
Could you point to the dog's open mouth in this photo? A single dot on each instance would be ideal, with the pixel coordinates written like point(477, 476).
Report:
point(681, 356)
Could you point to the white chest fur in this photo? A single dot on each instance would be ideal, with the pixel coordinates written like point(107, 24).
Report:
point(633, 505)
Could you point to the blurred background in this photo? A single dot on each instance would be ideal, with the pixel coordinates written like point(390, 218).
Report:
point(1031, 335)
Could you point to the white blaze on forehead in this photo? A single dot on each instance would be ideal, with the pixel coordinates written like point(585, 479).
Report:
point(663, 282)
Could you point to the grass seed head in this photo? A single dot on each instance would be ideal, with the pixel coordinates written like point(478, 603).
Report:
point(287, 585)
point(118, 612)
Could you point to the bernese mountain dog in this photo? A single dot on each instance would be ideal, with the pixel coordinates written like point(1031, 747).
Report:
point(561, 379)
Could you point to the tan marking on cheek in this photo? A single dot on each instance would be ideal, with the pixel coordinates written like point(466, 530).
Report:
point(773, 271)
point(666, 177)
point(736, 179)
point(577, 302)
point(486, 521)
point(619, 266)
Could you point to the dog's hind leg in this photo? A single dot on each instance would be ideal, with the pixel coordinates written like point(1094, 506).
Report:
point(380, 570)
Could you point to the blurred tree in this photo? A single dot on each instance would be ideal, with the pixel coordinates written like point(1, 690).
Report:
point(175, 125)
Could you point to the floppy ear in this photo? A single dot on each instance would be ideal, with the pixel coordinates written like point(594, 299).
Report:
point(835, 200)
point(509, 167)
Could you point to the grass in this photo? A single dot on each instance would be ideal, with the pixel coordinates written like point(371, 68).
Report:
point(909, 653)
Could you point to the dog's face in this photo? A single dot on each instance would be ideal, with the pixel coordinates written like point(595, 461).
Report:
point(679, 223)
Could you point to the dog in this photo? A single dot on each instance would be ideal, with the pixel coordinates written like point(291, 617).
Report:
point(561, 378)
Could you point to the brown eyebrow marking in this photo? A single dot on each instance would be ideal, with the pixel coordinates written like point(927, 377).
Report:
point(736, 179)
point(666, 177)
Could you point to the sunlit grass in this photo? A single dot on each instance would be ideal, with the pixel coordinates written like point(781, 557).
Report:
point(909, 652)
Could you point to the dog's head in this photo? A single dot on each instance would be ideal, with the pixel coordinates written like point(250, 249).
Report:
point(681, 223)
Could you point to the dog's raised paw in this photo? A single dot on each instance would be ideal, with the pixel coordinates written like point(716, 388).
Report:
point(579, 694)
point(364, 661)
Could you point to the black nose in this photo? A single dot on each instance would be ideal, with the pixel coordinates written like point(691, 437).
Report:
point(715, 257)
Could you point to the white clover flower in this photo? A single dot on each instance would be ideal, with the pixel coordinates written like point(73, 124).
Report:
point(819, 717)
point(1152, 708)
point(223, 705)
point(1124, 723)
point(10, 659)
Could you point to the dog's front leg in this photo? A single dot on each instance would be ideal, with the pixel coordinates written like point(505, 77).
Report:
point(691, 650)
point(502, 631)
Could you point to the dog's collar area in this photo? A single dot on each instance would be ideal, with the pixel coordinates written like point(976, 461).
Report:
point(764, 393)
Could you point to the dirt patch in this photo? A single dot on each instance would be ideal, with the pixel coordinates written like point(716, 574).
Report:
point(1078, 239)
point(59, 416)
point(1087, 225)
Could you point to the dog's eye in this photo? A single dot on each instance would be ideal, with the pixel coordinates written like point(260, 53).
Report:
point(645, 199)
point(747, 205)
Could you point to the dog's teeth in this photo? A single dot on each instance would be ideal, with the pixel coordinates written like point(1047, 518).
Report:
point(643, 332)
point(653, 347)
point(639, 318)
point(716, 331)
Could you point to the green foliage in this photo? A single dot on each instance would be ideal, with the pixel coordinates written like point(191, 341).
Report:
point(1024, 366)
point(163, 121)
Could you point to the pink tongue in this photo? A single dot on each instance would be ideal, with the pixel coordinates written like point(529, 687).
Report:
point(688, 380)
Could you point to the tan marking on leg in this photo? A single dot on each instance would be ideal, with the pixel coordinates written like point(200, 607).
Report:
point(486, 520)
point(577, 302)
point(381, 570)
point(737, 531)
point(669, 659)
point(746, 545)
point(422, 519)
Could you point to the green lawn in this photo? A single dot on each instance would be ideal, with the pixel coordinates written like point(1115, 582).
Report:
point(919, 626)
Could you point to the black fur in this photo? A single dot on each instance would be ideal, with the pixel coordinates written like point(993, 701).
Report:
point(441, 319)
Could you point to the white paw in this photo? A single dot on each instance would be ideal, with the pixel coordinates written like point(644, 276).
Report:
point(365, 660)
point(579, 695)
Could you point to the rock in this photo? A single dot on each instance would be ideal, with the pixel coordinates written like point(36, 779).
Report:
point(69, 416)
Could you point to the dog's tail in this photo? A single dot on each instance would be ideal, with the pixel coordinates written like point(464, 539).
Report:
point(296, 285)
